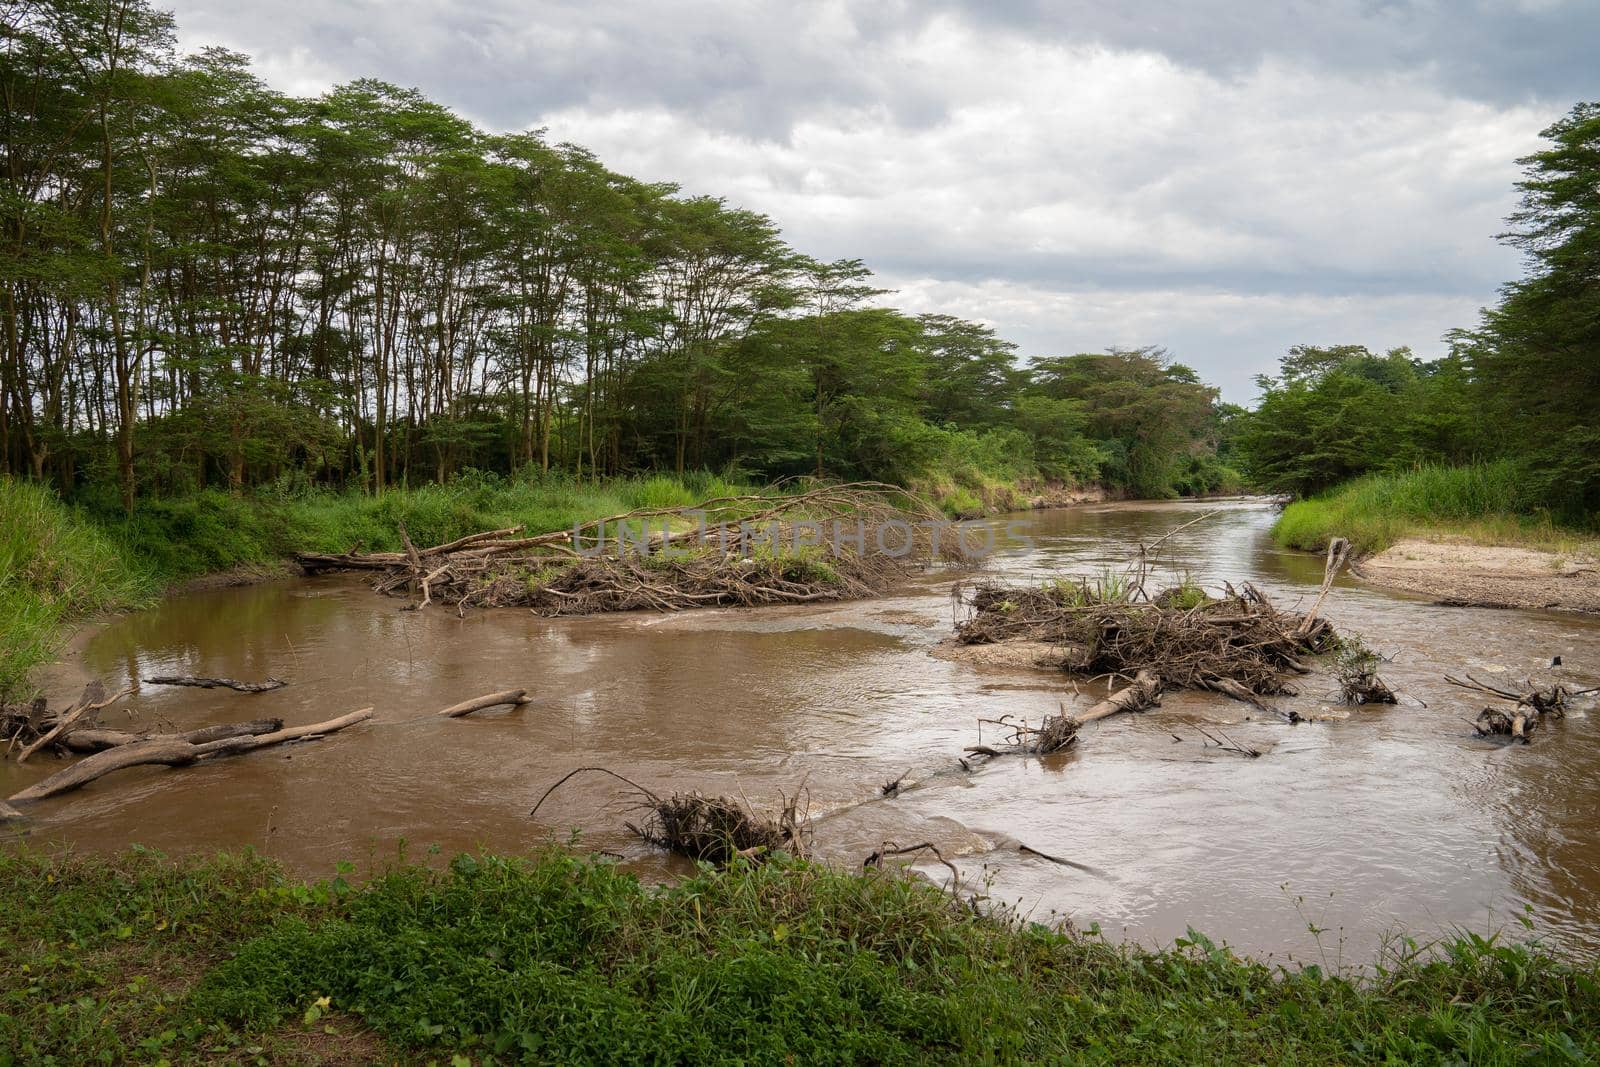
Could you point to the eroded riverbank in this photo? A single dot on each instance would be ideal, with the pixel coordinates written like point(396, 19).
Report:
point(1393, 816)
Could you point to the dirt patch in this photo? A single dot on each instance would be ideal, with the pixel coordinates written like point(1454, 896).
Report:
point(1064, 496)
point(1013, 655)
point(243, 574)
point(1487, 576)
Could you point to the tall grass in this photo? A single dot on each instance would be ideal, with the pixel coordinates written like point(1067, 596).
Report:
point(563, 958)
point(55, 565)
point(1484, 502)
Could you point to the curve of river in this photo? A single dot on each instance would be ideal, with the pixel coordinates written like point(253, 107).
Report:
point(1396, 818)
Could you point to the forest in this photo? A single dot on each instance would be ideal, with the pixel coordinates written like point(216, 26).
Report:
point(208, 283)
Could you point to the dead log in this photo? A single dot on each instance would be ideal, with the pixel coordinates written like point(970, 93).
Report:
point(90, 740)
point(217, 683)
point(232, 746)
point(489, 700)
point(172, 752)
point(94, 699)
point(1059, 731)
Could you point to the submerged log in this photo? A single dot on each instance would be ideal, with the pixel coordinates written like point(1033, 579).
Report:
point(489, 700)
point(1143, 693)
point(217, 683)
point(163, 752)
point(173, 751)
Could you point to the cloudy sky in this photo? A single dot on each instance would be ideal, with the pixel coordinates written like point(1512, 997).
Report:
point(1220, 177)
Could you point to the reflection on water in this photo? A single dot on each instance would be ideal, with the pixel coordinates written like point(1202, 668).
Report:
point(1394, 817)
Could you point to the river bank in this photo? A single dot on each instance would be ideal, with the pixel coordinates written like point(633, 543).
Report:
point(1461, 535)
point(1459, 573)
point(561, 956)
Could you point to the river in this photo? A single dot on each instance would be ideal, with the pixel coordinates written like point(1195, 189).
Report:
point(1391, 820)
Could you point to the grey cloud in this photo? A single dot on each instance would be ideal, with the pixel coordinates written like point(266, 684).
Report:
point(1221, 177)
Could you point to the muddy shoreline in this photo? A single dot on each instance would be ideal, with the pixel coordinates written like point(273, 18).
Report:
point(1458, 574)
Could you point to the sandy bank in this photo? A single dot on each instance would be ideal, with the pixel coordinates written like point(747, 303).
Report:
point(1487, 576)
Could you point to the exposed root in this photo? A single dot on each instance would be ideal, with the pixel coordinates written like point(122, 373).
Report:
point(1517, 724)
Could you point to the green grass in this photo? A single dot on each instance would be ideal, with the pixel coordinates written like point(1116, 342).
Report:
point(1484, 503)
point(55, 565)
point(564, 958)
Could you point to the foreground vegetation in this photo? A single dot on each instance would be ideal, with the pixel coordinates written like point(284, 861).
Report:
point(562, 958)
point(1484, 503)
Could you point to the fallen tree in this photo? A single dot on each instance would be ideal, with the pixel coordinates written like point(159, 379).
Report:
point(1532, 703)
point(175, 750)
point(735, 551)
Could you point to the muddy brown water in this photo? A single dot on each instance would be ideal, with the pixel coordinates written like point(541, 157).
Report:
point(1394, 819)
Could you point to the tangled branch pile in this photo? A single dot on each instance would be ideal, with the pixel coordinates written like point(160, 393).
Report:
point(1239, 645)
point(713, 829)
point(829, 543)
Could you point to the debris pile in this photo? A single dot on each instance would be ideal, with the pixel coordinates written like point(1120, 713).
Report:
point(1239, 644)
point(713, 829)
point(835, 542)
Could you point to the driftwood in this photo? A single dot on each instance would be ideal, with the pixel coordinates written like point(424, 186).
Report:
point(1542, 700)
point(218, 683)
point(1239, 645)
point(490, 700)
point(1338, 556)
point(93, 700)
point(173, 751)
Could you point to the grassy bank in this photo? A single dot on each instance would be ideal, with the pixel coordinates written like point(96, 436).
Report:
point(1485, 503)
point(61, 562)
point(563, 958)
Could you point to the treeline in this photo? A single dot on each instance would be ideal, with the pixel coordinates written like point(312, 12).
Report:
point(206, 282)
point(1523, 388)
